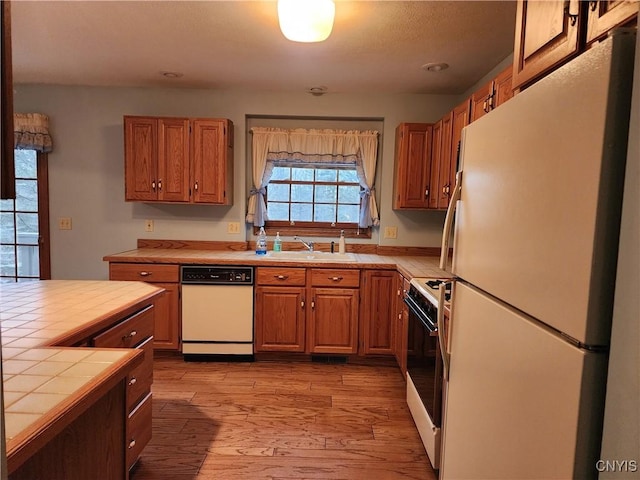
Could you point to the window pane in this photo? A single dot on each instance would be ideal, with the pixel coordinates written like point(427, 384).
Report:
point(302, 174)
point(7, 228)
point(7, 260)
point(26, 163)
point(302, 193)
point(6, 205)
point(280, 173)
point(278, 192)
point(278, 211)
point(325, 213)
point(27, 195)
point(348, 176)
point(348, 213)
point(27, 227)
point(301, 212)
point(28, 262)
point(348, 194)
point(326, 193)
point(326, 175)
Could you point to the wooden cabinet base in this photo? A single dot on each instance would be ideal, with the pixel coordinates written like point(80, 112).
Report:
point(77, 453)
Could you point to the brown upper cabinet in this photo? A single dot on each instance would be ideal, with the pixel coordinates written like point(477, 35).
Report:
point(412, 170)
point(551, 32)
point(493, 94)
point(178, 160)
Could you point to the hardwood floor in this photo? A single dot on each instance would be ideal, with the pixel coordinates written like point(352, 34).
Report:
point(280, 421)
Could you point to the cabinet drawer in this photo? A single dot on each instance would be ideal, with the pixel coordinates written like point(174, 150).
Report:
point(140, 379)
point(281, 276)
point(129, 333)
point(329, 277)
point(138, 430)
point(144, 271)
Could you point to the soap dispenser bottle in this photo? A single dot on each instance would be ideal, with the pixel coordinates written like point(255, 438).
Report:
point(277, 243)
point(341, 243)
point(261, 244)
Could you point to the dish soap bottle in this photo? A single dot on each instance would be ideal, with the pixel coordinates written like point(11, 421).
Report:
point(341, 244)
point(261, 244)
point(277, 243)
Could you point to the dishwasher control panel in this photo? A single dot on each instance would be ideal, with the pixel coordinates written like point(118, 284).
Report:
point(216, 275)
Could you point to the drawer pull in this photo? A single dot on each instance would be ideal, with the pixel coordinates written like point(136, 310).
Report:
point(132, 444)
point(145, 274)
point(133, 381)
point(335, 279)
point(132, 334)
point(281, 277)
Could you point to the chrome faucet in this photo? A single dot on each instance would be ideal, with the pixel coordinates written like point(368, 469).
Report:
point(308, 245)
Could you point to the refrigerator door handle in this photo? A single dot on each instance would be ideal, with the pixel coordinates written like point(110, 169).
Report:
point(440, 323)
point(448, 221)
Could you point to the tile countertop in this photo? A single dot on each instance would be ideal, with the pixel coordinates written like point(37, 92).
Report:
point(42, 382)
point(408, 266)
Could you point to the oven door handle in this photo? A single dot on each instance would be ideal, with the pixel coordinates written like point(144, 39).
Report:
point(443, 346)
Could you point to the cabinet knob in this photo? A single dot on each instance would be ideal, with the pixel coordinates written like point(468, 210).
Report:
point(131, 334)
point(160, 184)
point(426, 192)
point(302, 304)
point(153, 185)
point(281, 277)
point(335, 279)
point(195, 187)
point(313, 304)
point(133, 381)
point(132, 444)
point(573, 6)
point(144, 274)
point(593, 6)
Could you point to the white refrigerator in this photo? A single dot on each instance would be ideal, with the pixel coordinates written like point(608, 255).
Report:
point(535, 249)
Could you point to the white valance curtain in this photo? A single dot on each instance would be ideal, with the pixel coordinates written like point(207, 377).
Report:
point(31, 132)
point(273, 146)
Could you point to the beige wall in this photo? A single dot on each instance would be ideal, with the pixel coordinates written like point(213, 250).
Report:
point(86, 166)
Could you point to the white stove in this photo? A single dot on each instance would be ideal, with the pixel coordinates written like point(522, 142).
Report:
point(429, 288)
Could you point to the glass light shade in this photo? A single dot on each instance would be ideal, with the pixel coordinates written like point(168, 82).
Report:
point(306, 20)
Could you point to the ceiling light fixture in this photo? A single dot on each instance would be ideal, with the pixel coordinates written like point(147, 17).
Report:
point(306, 20)
point(435, 67)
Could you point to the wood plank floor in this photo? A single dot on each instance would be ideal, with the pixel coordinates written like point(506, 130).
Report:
point(280, 421)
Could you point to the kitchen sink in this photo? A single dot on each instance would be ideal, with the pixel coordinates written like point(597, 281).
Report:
point(309, 256)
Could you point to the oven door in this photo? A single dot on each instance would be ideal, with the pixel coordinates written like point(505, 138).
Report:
point(424, 380)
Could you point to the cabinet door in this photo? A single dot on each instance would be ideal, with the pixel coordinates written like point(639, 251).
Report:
point(444, 181)
point(210, 162)
point(606, 14)
point(167, 318)
point(413, 164)
point(378, 312)
point(460, 120)
point(173, 160)
point(481, 101)
point(436, 162)
point(279, 319)
point(502, 87)
point(333, 321)
point(140, 158)
point(547, 34)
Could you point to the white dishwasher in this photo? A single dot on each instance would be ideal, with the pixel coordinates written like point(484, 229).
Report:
point(217, 312)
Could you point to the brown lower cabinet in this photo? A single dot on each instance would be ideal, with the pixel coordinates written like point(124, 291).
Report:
point(166, 330)
point(319, 311)
point(401, 320)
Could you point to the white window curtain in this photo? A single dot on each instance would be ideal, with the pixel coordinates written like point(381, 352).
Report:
point(31, 132)
point(271, 146)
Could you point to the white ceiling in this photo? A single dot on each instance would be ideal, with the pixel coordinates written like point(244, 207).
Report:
point(375, 46)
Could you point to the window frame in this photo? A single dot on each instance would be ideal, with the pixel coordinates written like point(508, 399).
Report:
point(44, 243)
point(313, 228)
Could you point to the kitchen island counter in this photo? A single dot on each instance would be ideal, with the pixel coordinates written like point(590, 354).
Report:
point(47, 384)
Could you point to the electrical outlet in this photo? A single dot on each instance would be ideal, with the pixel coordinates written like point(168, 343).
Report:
point(148, 225)
point(390, 232)
point(233, 227)
point(64, 223)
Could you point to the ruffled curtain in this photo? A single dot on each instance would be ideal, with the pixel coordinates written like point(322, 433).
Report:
point(336, 147)
point(31, 132)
